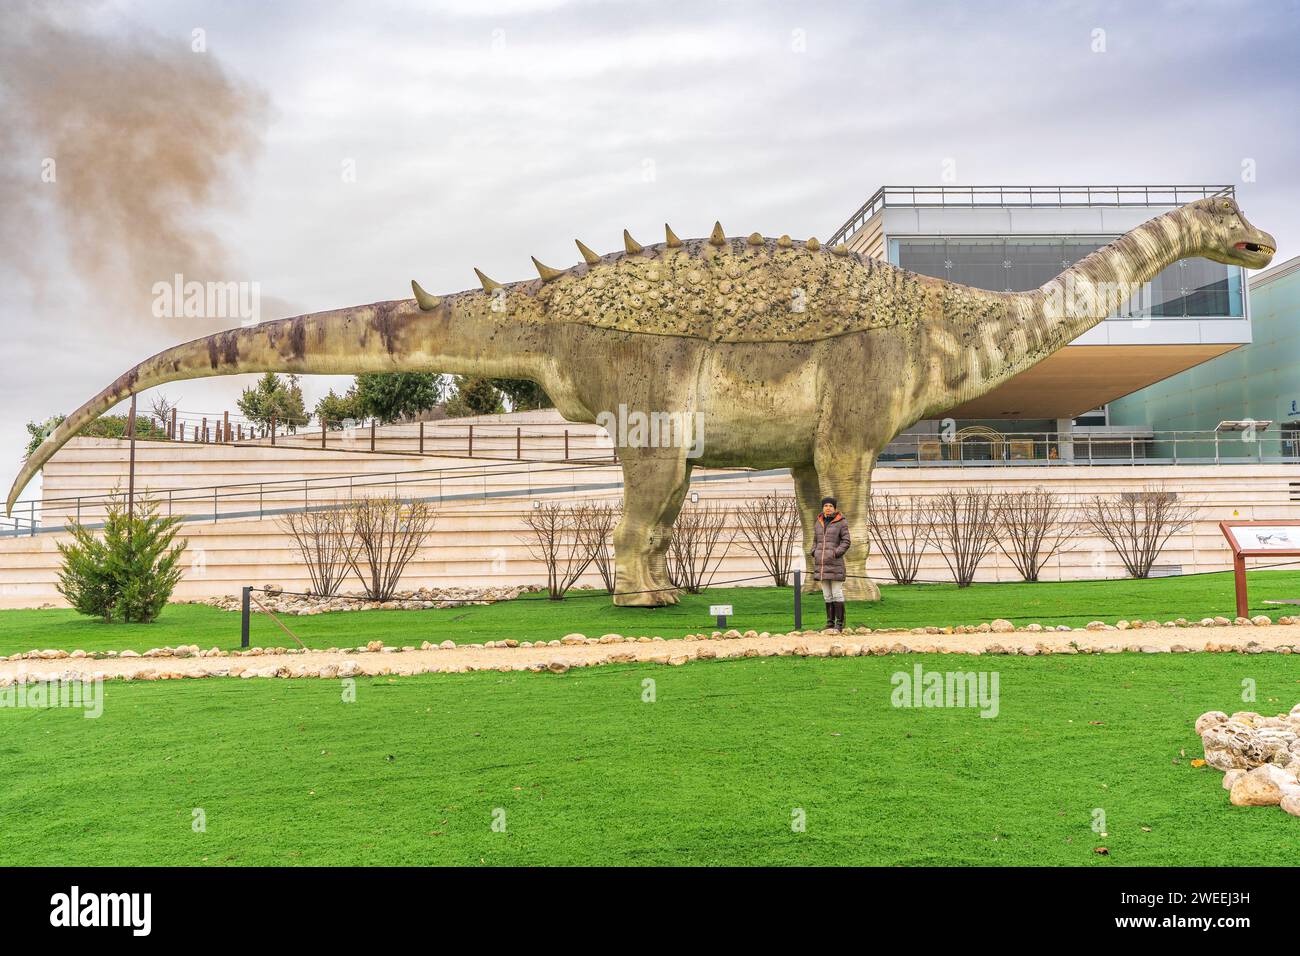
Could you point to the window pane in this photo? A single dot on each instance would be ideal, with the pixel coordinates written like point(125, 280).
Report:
point(1033, 262)
point(1207, 283)
point(924, 257)
point(978, 263)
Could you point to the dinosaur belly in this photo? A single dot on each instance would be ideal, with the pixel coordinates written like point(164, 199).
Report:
point(756, 409)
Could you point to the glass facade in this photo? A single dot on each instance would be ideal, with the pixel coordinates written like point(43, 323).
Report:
point(1190, 288)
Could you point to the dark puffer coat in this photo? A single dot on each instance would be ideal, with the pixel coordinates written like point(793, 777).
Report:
point(830, 541)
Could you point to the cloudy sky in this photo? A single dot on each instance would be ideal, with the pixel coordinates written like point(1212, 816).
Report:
point(329, 152)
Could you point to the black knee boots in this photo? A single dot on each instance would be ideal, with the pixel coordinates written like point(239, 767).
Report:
point(834, 615)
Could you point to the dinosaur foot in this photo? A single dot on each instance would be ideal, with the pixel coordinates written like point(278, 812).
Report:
point(646, 597)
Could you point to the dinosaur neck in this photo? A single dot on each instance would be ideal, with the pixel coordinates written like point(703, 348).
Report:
point(1033, 325)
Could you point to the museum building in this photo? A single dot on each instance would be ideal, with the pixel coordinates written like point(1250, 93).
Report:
point(1015, 238)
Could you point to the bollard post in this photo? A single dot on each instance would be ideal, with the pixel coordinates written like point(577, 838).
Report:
point(422, 438)
point(372, 434)
point(798, 600)
point(245, 613)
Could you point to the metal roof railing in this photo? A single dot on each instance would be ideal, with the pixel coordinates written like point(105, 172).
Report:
point(1024, 197)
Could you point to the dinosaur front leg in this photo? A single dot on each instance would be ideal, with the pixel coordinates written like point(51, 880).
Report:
point(654, 484)
point(808, 495)
point(848, 479)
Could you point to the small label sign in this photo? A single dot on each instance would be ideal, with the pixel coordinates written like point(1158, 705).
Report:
point(719, 610)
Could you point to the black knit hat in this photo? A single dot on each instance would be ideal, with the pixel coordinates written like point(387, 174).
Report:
point(828, 500)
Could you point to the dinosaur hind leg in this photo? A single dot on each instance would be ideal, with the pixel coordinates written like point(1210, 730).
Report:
point(808, 494)
point(653, 488)
point(848, 478)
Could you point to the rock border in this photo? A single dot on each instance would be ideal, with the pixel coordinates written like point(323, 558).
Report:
point(578, 650)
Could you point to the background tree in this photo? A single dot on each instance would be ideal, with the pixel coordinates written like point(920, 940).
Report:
point(387, 533)
point(326, 541)
point(898, 529)
point(392, 396)
point(559, 536)
point(1033, 529)
point(523, 395)
point(963, 529)
point(473, 396)
point(596, 521)
point(162, 407)
point(333, 410)
point(106, 426)
point(693, 556)
point(274, 397)
point(1138, 524)
point(129, 573)
point(770, 528)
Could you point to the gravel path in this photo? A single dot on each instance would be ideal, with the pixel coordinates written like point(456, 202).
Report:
point(1252, 639)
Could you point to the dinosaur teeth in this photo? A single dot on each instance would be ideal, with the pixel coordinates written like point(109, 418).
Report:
point(426, 302)
point(717, 237)
point(588, 256)
point(545, 271)
point(489, 285)
point(672, 241)
point(631, 245)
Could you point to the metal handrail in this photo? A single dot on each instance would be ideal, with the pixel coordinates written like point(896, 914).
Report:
point(1114, 446)
point(1022, 197)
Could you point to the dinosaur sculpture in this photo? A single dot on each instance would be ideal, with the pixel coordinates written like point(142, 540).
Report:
point(790, 354)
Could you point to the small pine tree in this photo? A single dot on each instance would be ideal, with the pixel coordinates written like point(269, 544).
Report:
point(129, 573)
point(85, 578)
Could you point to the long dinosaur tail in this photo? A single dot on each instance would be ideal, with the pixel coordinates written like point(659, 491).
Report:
point(381, 337)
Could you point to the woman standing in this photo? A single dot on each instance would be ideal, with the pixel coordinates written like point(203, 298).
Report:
point(830, 542)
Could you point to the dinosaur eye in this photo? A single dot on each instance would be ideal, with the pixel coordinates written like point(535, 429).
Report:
point(1227, 205)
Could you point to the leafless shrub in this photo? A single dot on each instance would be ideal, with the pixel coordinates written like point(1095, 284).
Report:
point(1138, 524)
point(770, 528)
point(162, 406)
point(559, 539)
point(898, 529)
point(596, 521)
point(325, 541)
point(962, 527)
point(1032, 529)
point(696, 536)
point(388, 532)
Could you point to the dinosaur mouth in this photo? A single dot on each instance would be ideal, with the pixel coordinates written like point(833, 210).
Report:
point(1254, 247)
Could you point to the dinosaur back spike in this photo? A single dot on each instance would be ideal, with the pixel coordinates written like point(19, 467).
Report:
point(545, 271)
point(631, 245)
point(588, 256)
point(426, 301)
point(717, 237)
point(672, 242)
point(489, 285)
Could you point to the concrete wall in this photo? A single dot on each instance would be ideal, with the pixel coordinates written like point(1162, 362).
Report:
point(480, 537)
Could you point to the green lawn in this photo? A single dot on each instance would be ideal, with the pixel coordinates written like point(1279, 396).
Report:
point(534, 617)
point(707, 774)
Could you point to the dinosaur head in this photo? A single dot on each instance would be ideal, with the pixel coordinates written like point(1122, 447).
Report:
point(1224, 235)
